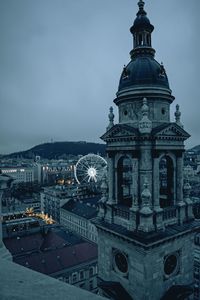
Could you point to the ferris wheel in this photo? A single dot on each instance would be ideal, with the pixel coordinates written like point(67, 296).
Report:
point(90, 169)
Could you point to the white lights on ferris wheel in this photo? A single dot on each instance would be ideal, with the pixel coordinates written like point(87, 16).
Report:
point(90, 168)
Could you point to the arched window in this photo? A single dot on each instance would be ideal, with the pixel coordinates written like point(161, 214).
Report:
point(140, 39)
point(124, 181)
point(166, 176)
point(148, 40)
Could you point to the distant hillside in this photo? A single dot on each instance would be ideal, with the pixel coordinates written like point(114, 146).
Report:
point(60, 150)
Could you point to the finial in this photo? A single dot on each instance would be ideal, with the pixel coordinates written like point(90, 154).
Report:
point(141, 11)
point(146, 199)
point(178, 116)
point(145, 108)
point(187, 188)
point(111, 117)
point(141, 4)
point(146, 195)
point(145, 125)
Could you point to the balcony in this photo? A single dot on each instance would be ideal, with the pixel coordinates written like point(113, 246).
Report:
point(122, 212)
point(21, 283)
point(170, 215)
point(121, 215)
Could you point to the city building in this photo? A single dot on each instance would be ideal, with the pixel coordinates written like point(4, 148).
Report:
point(77, 215)
point(53, 197)
point(145, 223)
point(19, 174)
point(55, 252)
point(58, 170)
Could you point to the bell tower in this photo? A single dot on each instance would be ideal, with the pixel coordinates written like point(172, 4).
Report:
point(145, 222)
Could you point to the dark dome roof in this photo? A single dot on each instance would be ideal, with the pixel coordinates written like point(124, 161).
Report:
point(142, 22)
point(143, 70)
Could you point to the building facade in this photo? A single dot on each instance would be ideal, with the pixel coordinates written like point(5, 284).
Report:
point(77, 216)
point(52, 198)
point(19, 174)
point(145, 223)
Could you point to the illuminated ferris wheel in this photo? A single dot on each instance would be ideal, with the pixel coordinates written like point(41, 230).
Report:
point(90, 169)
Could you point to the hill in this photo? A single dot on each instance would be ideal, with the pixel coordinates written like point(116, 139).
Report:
point(60, 150)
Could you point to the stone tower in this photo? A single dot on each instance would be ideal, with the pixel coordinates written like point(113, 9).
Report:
point(145, 222)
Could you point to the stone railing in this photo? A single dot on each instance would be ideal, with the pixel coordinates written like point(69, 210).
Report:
point(170, 215)
point(18, 282)
point(121, 216)
point(122, 212)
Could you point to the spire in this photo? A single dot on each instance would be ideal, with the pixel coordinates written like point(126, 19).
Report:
point(187, 189)
point(141, 31)
point(141, 11)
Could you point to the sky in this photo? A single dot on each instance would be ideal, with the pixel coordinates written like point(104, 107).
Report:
point(61, 60)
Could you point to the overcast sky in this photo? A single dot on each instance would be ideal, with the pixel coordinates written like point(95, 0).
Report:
point(61, 60)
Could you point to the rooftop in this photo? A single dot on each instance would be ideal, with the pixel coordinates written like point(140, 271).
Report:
point(146, 240)
point(50, 252)
point(21, 283)
point(86, 208)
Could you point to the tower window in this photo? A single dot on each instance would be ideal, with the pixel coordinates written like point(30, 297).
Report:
point(163, 110)
point(125, 112)
point(172, 264)
point(166, 175)
point(140, 40)
point(120, 262)
point(124, 181)
point(148, 40)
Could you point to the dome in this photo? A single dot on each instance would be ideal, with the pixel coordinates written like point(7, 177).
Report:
point(141, 22)
point(143, 70)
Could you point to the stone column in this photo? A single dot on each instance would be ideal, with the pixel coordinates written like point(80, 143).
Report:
point(111, 180)
point(134, 188)
point(156, 195)
point(179, 189)
point(145, 168)
point(156, 183)
point(134, 191)
point(188, 201)
point(146, 214)
point(179, 180)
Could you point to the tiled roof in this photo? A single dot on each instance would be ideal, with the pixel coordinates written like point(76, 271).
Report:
point(86, 208)
point(51, 252)
point(55, 260)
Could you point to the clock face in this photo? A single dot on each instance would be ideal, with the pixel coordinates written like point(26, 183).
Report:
point(170, 264)
point(121, 262)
